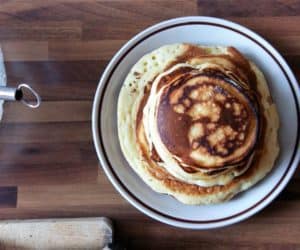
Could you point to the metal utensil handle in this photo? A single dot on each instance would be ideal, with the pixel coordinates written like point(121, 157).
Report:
point(27, 103)
point(16, 94)
point(10, 94)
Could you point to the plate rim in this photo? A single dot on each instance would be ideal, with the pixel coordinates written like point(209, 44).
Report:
point(96, 123)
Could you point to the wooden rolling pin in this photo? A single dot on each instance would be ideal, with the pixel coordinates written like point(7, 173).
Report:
point(81, 233)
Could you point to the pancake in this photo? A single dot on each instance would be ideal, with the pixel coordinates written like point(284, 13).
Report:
point(193, 122)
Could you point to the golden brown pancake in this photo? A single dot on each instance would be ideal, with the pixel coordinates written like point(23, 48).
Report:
point(193, 120)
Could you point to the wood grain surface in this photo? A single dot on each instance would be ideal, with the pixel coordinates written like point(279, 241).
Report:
point(49, 167)
point(81, 233)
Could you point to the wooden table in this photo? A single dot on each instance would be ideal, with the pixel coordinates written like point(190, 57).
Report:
point(49, 167)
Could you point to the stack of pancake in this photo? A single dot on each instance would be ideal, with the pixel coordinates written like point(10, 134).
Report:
point(197, 122)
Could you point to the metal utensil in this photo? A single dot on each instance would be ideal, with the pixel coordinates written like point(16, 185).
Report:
point(17, 94)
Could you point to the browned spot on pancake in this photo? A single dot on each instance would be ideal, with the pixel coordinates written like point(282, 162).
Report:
point(137, 75)
point(174, 75)
point(243, 64)
point(189, 170)
point(142, 143)
point(142, 104)
point(173, 134)
point(191, 51)
point(154, 155)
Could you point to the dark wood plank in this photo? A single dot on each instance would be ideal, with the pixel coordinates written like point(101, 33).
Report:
point(49, 174)
point(294, 62)
point(271, 26)
point(50, 72)
point(60, 111)
point(244, 8)
point(22, 51)
point(43, 153)
point(127, 13)
point(35, 30)
point(8, 197)
point(54, 132)
point(87, 50)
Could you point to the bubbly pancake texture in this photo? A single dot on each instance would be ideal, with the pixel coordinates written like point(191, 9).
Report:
point(193, 122)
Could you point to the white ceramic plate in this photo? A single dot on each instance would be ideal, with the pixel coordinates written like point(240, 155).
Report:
point(206, 31)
